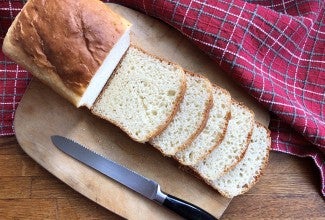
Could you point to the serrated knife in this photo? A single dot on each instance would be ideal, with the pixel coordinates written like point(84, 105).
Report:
point(140, 184)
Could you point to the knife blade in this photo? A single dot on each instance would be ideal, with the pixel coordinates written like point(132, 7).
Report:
point(134, 181)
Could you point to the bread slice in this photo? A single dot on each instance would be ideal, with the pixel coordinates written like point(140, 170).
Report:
point(191, 117)
point(142, 96)
point(71, 46)
point(233, 146)
point(213, 133)
point(248, 171)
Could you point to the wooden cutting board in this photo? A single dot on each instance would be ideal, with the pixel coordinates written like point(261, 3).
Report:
point(43, 113)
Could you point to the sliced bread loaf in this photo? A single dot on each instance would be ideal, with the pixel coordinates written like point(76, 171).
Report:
point(233, 146)
point(191, 117)
point(214, 131)
point(142, 96)
point(248, 171)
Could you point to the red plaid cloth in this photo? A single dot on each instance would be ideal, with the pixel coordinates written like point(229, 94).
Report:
point(274, 49)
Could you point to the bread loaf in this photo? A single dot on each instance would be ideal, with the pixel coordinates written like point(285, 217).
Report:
point(190, 119)
point(213, 132)
point(248, 171)
point(233, 146)
point(72, 46)
point(142, 96)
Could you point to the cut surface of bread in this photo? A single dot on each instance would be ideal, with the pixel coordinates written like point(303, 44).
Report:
point(248, 171)
point(191, 117)
point(106, 69)
point(142, 96)
point(213, 133)
point(71, 46)
point(232, 147)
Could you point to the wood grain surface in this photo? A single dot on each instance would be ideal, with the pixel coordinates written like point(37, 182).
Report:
point(288, 190)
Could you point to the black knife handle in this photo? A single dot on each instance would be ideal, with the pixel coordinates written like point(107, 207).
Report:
point(185, 209)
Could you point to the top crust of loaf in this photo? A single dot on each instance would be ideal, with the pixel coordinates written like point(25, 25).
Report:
point(64, 42)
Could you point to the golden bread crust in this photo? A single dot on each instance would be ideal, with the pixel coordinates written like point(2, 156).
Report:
point(64, 42)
